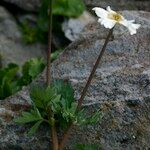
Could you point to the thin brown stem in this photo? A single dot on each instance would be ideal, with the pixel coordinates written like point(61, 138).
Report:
point(65, 137)
point(80, 101)
point(48, 74)
point(54, 138)
point(83, 94)
point(55, 143)
point(48, 71)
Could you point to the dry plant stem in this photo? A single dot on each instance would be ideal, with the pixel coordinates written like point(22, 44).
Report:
point(80, 101)
point(48, 73)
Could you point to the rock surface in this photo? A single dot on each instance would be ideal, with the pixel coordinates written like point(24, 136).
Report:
point(12, 48)
point(120, 88)
point(120, 4)
point(73, 27)
point(33, 5)
point(29, 5)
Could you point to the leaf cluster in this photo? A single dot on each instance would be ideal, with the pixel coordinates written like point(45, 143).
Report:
point(10, 79)
point(56, 105)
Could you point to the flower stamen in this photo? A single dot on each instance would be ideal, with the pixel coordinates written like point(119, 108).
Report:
point(115, 16)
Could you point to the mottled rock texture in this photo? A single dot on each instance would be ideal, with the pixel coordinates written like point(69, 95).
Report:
point(120, 4)
point(29, 5)
point(120, 88)
point(73, 27)
point(33, 5)
point(12, 47)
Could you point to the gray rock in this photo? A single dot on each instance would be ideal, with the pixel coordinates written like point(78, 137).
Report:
point(120, 4)
point(120, 90)
point(74, 26)
point(29, 5)
point(12, 48)
point(33, 5)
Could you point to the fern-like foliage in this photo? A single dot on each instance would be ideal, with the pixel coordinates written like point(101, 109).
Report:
point(56, 104)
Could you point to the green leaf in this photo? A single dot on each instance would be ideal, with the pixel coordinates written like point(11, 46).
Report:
point(87, 147)
point(66, 91)
point(69, 8)
point(10, 80)
point(8, 73)
point(8, 77)
point(37, 95)
point(34, 128)
point(30, 70)
point(55, 54)
point(96, 117)
point(83, 119)
point(43, 96)
point(33, 67)
point(55, 104)
point(27, 117)
point(36, 66)
point(70, 113)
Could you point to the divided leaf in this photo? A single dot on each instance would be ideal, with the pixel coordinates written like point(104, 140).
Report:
point(69, 114)
point(42, 97)
point(27, 117)
point(83, 119)
point(66, 91)
point(34, 128)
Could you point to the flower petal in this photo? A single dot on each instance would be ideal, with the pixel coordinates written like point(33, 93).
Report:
point(100, 12)
point(132, 27)
point(110, 10)
point(108, 23)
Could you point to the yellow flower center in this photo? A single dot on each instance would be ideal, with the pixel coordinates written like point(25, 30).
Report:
point(115, 16)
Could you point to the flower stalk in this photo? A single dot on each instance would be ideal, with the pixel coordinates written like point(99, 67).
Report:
point(48, 71)
point(48, 74)
point(80, 101)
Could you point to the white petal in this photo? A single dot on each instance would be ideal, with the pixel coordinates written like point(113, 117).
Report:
point(131, 21)
point(110, 10)
point(124, 22)
point(100, 12)
point(108, 23)
point(132, 27)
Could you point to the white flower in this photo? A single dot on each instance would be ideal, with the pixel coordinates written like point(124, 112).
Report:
point(110, 18)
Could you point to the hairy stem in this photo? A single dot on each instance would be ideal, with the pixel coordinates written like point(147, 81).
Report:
point(65, 137)
point(80, 101)
point(83, 94)
point(48, 71)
